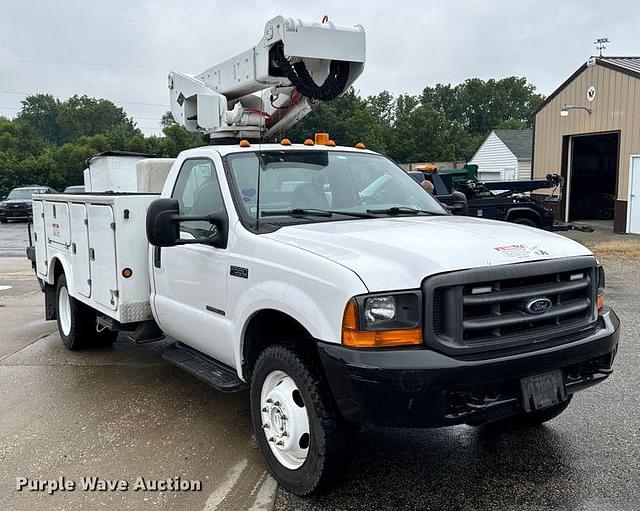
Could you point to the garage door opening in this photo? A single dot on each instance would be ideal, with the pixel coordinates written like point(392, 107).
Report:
point(593, 177)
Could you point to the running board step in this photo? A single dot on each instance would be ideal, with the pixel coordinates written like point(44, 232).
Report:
point(203, 367)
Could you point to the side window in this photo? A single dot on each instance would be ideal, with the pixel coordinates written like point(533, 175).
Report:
point(198, 192)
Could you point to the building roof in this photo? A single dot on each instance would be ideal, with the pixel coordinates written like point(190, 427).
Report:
point(627, 65)
point(519, 142)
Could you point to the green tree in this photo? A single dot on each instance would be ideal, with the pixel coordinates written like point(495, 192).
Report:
point(40, 114)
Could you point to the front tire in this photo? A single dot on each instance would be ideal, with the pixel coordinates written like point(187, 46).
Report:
point(3, 220)
point(76, 321)
point(296, 423)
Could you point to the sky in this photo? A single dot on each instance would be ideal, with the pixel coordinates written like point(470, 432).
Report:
point(122, 50)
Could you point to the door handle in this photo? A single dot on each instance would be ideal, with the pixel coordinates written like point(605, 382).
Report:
point(157, 257)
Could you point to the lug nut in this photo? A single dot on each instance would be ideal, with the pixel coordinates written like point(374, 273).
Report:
point(277, 403)
point(271, 439)
point(284, 433)
point(265, 409)
point(280, 443)
point(265, 426)
point(269, 400)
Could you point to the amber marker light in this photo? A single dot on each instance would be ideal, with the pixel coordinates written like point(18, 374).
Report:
point(360, 145)
point(600, 301)
point(127, 273)
point(285, 141)
point(309, 142)
point(321, 138)
point(353, 337)
point(331, 143)
point(244, 143)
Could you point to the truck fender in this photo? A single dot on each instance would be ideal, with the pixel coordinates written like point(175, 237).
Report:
point(51, 277)
point(298, 305)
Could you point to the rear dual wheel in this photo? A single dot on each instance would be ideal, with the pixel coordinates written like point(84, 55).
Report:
point(77, 321)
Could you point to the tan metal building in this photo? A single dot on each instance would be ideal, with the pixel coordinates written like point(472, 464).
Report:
point(589, 131)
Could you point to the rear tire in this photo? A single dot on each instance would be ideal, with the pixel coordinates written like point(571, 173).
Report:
point(76, 321)
point(3, 220)
point(299, 430)
point(524, 221)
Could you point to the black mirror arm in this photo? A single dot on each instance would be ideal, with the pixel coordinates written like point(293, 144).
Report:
point(218, 218)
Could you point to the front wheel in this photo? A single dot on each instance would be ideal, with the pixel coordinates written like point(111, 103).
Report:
point(297, 426)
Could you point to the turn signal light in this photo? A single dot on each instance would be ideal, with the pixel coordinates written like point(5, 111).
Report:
point(353, 337)
point(600, 302)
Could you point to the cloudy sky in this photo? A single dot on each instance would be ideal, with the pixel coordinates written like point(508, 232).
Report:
point(123, 49)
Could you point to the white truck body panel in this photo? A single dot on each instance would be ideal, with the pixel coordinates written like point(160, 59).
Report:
point(112, 173)
point(40, 238)
point(94, 254)
point(80, 249)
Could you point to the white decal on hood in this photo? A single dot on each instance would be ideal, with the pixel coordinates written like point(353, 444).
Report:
point(520, 251)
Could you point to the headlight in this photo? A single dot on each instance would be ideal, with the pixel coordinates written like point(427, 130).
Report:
point(383, 320)
point(379, 309)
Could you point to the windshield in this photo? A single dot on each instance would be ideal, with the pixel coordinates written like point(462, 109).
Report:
point(314, 181)
point(24, 193)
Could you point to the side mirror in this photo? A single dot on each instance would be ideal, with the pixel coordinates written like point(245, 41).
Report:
point(163, 225)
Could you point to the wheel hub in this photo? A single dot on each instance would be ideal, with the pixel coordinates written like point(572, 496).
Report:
point(284, 420)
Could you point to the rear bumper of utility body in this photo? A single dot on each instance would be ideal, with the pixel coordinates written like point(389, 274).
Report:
point(425, 388)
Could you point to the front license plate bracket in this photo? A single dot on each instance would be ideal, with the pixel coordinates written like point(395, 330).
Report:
point(543, 390)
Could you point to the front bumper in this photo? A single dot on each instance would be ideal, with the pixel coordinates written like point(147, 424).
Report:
point(15, 213)
point(425, 388)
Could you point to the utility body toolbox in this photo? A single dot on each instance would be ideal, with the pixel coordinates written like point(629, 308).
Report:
point(99, 240)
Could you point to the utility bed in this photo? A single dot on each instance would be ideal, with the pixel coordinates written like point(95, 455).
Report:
point(100, 241)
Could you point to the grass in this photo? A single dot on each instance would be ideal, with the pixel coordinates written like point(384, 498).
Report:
point(615, 249)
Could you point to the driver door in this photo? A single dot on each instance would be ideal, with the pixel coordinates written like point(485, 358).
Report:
point(191, 280)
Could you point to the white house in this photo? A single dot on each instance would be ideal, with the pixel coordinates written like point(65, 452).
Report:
point(505, 155)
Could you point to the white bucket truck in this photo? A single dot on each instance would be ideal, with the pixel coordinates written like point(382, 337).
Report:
point(323, 278)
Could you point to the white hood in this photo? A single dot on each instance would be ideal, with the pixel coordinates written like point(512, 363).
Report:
point(398, 253)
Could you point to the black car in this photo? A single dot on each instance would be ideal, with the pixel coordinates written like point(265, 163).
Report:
point(17, 205)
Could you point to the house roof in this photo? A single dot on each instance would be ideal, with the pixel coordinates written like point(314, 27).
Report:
point(519, 142)
point(627, 65)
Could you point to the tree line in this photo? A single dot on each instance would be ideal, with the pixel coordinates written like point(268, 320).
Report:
point(49, 141)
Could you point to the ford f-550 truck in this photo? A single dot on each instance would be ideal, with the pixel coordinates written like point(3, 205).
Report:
point(323, 278)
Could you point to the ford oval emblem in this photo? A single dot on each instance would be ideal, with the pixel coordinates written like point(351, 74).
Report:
point(538, 306)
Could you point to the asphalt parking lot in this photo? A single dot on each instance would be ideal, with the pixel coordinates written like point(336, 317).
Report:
point(123, 412)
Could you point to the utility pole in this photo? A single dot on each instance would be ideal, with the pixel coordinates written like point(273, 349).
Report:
point(601, 44)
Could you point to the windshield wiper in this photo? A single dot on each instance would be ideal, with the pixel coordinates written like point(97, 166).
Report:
point(297, 212)
point(314, 212)
point(401, 210)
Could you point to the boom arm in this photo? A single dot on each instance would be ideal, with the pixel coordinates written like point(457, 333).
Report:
point(294, 66)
